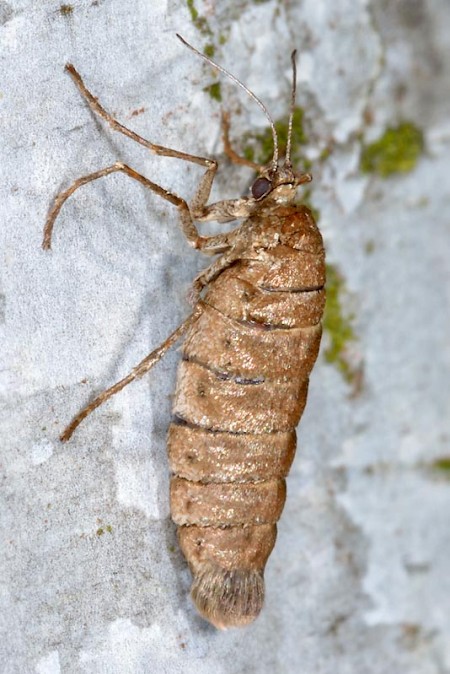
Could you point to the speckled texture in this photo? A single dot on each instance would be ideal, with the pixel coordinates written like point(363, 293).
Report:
point(359, 576)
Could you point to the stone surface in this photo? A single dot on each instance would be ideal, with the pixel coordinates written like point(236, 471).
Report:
point(92, 578)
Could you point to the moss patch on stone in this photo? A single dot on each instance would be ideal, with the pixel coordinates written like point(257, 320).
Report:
point(199, 22)
point(215, 91)
point(209, 50)
point(442, 465)
point(338, 324)
point(396, 151)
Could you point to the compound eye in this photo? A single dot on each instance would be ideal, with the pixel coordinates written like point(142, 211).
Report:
point(261, 187)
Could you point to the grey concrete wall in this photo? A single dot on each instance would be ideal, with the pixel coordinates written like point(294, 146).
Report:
point(92, 578)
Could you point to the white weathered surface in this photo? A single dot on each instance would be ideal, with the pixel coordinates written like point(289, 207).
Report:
point(359, 579)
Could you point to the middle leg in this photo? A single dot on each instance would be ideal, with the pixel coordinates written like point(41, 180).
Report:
point(228, 148)
point(209, 274)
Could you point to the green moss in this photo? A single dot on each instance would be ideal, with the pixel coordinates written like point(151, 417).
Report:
point(109, 528)
point(65, 10)
point(337, 324)
point(192, 11)
point(249, 152)
point(442, 465)
point(215, 91)
point(260, 145)
point(199, 21)
point(100, 531)
point(305, 162)
point(397, 151)
point(325, 154)
point(209, 50)
point(369, 247)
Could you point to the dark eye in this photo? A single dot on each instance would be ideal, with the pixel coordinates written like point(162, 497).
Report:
point(261, 187)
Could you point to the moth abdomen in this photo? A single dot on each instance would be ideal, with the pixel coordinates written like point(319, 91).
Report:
point(241, 390)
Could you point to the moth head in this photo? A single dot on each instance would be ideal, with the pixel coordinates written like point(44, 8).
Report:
point(279, 185)
point(275, 183)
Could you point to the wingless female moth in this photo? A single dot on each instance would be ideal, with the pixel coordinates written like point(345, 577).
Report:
point(249, 346)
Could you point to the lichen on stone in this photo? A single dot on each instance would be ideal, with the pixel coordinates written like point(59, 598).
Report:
point(338, 325)
point(396, 151)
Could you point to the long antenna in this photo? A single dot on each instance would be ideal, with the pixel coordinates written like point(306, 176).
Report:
point(287, 161)
point(250, 93)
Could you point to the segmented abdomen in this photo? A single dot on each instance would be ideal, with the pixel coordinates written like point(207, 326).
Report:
point(241, 391)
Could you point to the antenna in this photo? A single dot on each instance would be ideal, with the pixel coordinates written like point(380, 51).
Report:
point(250, 93)
point(287, 161)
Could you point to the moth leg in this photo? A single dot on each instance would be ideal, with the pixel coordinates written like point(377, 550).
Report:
point(187, 223)
point(204, 188)
point(137, 372)
point(228, 149)
point(206, 276)
point(217, 244)
point(198, 204)
point(222, 211)
point(116, 126)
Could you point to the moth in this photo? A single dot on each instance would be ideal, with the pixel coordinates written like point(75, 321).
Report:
point(250, 344)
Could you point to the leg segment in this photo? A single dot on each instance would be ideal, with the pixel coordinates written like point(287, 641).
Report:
point(231, 154)
point(209, 274)
point(204, 189)
point(197, 210)
point(187, 224)
point(219, 243)
point(114, 124)
point(198, 203)
point(138, 371)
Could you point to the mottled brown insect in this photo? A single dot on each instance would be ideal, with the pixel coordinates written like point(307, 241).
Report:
point(250, 344)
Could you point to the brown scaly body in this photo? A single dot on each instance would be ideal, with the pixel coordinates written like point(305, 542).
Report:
point(241, 391)
point(250, 344)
